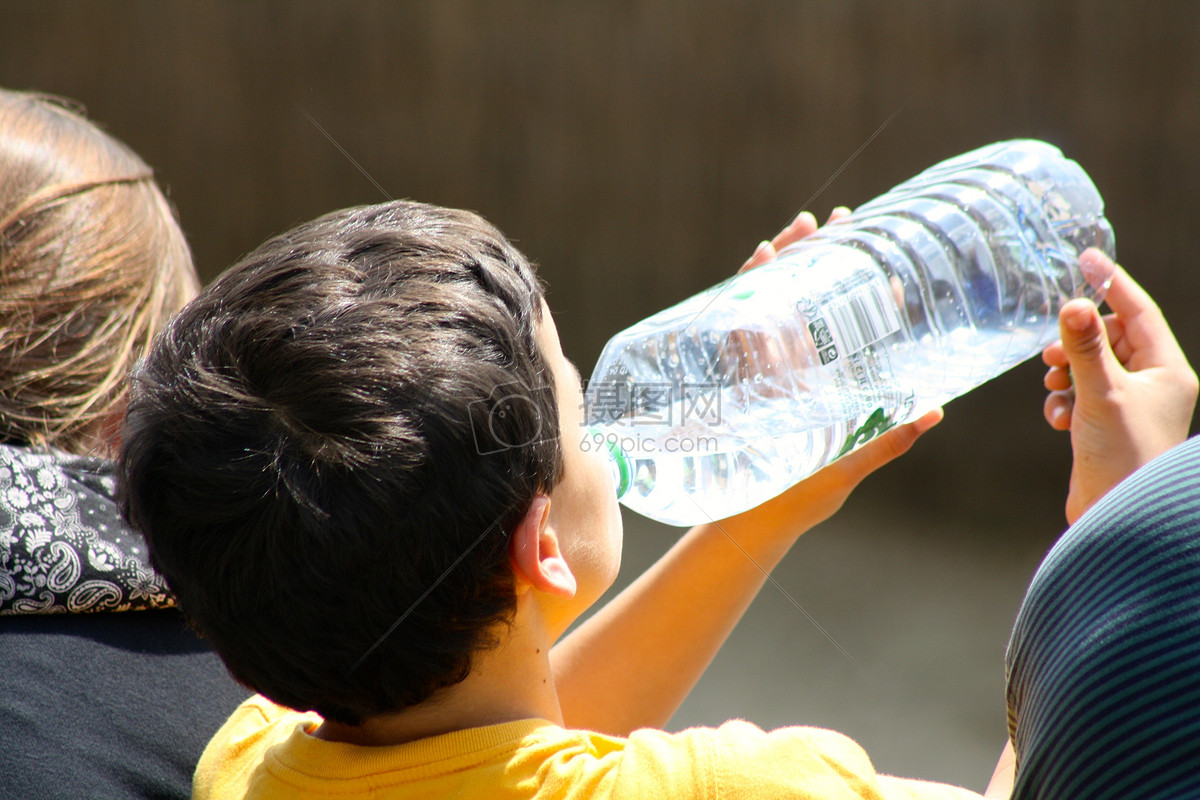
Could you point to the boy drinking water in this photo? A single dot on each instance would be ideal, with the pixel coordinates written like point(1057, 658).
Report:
point(355, 460)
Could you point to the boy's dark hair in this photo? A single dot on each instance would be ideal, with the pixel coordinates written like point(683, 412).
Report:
point(328, 449)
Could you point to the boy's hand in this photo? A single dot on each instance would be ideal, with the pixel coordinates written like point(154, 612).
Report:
point(818, 496)
point(805, 224)
point(1120, 384)
point(649, 645)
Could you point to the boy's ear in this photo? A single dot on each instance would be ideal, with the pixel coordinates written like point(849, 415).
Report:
point(535, 555)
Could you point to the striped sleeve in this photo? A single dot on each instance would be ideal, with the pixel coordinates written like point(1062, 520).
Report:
point(1104, 661)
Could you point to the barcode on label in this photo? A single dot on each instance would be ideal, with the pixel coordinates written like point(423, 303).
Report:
point(863, 316)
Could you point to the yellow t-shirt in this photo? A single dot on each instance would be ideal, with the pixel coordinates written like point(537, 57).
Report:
point(265, 751)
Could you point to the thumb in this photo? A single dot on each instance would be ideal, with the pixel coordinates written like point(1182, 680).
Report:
point(887, 447)
point(1085, 343)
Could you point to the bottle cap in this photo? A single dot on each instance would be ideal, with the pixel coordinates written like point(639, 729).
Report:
point(617, 459)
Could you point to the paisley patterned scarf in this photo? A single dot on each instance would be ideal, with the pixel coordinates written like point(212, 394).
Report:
point(63, 547)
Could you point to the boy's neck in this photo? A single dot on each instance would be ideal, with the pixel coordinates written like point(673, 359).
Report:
point(511, 682)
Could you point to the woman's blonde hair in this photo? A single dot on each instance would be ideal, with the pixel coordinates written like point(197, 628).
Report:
point(92, 265)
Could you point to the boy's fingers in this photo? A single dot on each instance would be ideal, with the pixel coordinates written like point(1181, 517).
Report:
point(1138, 327)
point(805, 224)
point(1057, 409)
point(762, 254)
point(1098, 269)
point(1085, 343)
point(1058, 379)
point(1054, 356)
point(900, 439)
point(927, 421)
point(1125, 296)
point(891, 445)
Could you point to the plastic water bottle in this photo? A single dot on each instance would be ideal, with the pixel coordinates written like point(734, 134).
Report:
point(727, 399)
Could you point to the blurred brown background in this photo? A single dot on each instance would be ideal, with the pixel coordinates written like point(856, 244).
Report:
point(638, 151)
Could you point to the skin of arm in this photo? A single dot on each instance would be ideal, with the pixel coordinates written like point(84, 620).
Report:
point(1003, 778)
point(633, 662)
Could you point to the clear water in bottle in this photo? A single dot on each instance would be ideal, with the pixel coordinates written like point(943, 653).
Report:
point(728, 398)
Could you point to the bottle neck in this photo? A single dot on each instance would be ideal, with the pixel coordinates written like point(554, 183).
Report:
point(618, 461)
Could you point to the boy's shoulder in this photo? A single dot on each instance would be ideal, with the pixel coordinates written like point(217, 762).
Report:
point(268, 751)
point(239, 747)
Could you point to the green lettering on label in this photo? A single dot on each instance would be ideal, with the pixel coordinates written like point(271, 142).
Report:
point(874, 425)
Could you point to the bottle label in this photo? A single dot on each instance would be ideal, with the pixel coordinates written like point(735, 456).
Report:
point(859, 315)
point(856, 313)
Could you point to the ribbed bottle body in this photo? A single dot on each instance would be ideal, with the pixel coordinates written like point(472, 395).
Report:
point(737, 393)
